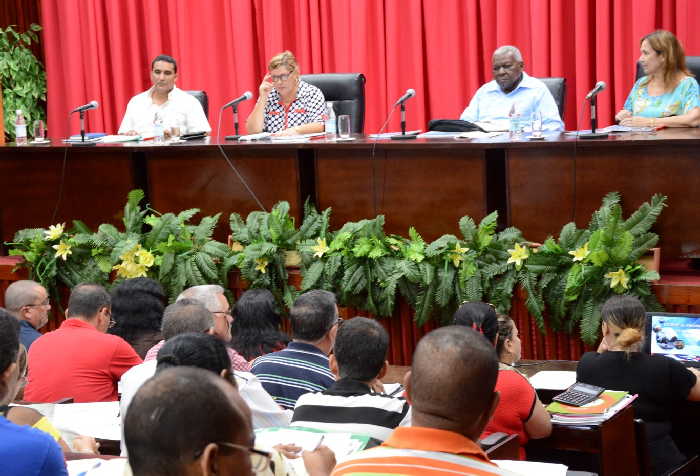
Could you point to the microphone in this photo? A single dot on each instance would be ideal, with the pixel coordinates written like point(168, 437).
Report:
point(245, 96)
point(407, 95)
point(599, 86)
point(86, 107)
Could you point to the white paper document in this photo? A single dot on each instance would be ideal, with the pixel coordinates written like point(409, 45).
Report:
point(532, 467)
point(553, 379)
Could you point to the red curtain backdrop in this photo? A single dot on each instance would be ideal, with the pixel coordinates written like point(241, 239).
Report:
point(101, 49)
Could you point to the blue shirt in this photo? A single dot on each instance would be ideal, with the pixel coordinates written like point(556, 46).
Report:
point(26, 451)
point(27, 334)
point(288, 374)
point(674, 103)
point(490, 103)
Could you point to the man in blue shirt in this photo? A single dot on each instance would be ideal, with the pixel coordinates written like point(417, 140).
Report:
point(28, 301)
point(24, 451)
point(303, 366)
point(512, 91)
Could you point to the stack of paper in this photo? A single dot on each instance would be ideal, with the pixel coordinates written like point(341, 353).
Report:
point(603, 408)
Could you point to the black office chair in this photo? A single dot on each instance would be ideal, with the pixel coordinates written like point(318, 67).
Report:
point(692, 62)
point(203, 100)
point(690, 467)
point(347, 93)
point(557, 86)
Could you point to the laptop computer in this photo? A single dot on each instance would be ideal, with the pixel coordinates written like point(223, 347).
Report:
point(674, 335)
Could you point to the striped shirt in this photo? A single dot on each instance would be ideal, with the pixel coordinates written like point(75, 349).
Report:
point(351, 406)
point(237, 360)
point(422, 451)
point(288, 374)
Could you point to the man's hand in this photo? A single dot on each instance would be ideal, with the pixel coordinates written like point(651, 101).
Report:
point(319, 462)
point(86, 444)
point(377, 386)
point(289, 451)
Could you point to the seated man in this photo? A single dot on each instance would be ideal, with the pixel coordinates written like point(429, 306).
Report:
point(23, 450)
point(28, 301)
point(512, 91)
point(189, 421)
point(213, 298)
point(303, 366)
point(356, 403)
point(173, 106)
point(451, 391)
point(189, 315)
point(79, 359)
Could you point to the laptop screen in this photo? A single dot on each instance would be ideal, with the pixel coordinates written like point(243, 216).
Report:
point(674, 335)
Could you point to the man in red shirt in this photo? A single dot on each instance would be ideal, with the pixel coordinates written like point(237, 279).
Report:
point(79, 359)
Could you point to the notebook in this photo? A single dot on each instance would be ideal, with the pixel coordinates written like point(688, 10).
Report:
point(674, 335)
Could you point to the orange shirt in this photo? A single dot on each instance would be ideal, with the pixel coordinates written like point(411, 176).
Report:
point(422, 451)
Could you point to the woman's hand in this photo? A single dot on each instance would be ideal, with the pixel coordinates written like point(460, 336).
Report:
point(265, 86)
point(292, 131)
point(636, 121)
point(623, 114)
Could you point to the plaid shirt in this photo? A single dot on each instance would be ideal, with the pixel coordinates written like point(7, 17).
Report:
point(308, 107)
point(237, 361)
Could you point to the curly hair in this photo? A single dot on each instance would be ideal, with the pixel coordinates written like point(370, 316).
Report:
point(255, 326)
point(137, 307)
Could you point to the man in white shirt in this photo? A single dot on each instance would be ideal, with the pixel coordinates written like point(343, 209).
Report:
point(512, 91)
point(164, 101)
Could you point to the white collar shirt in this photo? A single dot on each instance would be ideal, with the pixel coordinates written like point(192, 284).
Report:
point(181, 109)
point(491, 104)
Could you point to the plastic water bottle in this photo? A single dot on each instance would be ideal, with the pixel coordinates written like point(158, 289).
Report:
point(158, 132)
point(20, 128)
point(331, 126)
point(515, 123)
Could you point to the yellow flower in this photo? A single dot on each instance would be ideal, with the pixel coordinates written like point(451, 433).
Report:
point(457, 255)
point(321, 248)
point(518, 255)
point(618, 277)
point(261, 265)
point(62, 250)
point(236, 246)
point(135, 263)
point(581, 253)
point(54, 232)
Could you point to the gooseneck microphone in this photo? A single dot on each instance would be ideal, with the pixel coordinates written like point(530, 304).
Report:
point(407, 95)
point(244, 97)
point(86, 107)
point(599, 86)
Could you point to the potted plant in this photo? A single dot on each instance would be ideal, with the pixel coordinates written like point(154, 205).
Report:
point(22, 77)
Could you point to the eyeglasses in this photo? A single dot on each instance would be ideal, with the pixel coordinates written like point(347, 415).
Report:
point(43, 303)
point(280, 77)
point(226, 314)
point(259, 460)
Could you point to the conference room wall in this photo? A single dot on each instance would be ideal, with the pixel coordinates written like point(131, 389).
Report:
point(101, 49)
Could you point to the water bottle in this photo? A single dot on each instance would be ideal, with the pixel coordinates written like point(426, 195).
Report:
point(331, 126)
point(158, 132)
point(20, 128)
point(515, 123)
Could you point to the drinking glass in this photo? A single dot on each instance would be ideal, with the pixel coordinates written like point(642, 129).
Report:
point(536, 120)
point(38, 130)
point(344, 129)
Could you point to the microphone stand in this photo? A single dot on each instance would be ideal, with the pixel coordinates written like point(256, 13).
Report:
point(235, 124)
point(82, 132)
point(594, 122)
point(403, 135)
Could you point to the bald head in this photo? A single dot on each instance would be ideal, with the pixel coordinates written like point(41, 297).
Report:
point(185, 315)
point(183, 397)
point(452, 380)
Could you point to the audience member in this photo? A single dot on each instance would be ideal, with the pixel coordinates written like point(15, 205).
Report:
point(661, 384)
point(256, 325)
point(213, 298)
point(451, 391)
point(188, 316)
point(355, 403)
point(23, 450)
point(520, 411)
point(165, 102)
point(79, 359)
point(303, 366)
point(28, 301)
point(512, 91)
point(137, 310)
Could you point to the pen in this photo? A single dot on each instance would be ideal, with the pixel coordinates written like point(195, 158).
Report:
point(320, 442)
